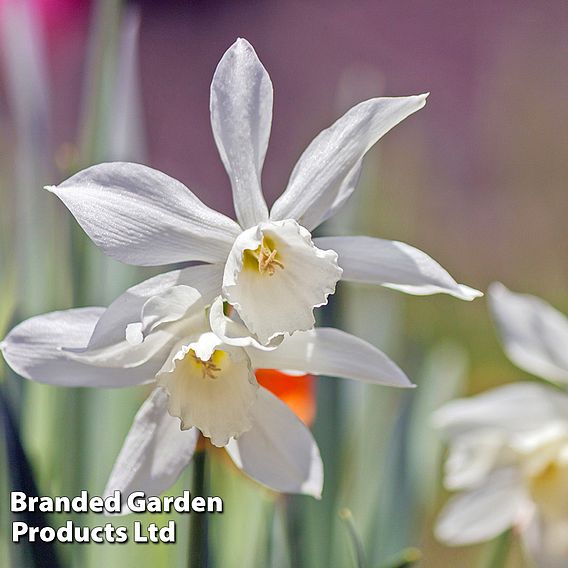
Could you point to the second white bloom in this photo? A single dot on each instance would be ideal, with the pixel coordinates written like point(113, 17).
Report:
point(508, 448)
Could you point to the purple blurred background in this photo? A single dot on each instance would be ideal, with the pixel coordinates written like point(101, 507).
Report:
point(477, 178)
point(492, 138)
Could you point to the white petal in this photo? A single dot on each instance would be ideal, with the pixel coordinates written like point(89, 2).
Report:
point(167, 307)
point(322, 169)
point(279, 451)
point(472, 456)
point(154, 453)
point(483, 513)
point(216, 395)
point(395, 265)
point(546, 541)
point(514, 408)
point(234, 333)
point(131, 352)
point(205, 345)
point(176, 312)
point(540, 445)
point(127, 308)
point(241, 117)
point(141, 346)
point(328, 351)
point(281, 300)
point(345, 191)
point(142, 216)
point(34, 350)
point(533, 333)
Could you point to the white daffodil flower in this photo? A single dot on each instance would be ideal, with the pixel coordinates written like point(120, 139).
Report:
point(159, 332)
point(508, 457)
point(268, 265)
point(508, 448)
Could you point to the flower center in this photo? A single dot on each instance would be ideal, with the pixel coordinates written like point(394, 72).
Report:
point(549, 488)
point(265, 258)
point(210, 368)
point(211, 386)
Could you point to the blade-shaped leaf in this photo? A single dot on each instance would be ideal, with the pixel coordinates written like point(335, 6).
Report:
point(43, 554)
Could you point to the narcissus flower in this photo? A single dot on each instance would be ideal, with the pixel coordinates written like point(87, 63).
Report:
point(161, 334)
point(267, 265)
point(508, 448)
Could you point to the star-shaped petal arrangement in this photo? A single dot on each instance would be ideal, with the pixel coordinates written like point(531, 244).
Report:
point(267, 265)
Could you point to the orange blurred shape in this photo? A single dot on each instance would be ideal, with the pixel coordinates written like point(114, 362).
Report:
point(297, 391)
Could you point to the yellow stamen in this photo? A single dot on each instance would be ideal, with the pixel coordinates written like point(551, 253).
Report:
point(208, 368)
point(263, 258)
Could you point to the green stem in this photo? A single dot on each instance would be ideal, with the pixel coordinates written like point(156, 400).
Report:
point(500, 551)
point(346, 516)
point(198, 554)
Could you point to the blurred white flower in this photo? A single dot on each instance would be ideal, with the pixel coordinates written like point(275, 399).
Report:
point(271, 270)
point(508, 448)
point(159, 332)
point(533, 333)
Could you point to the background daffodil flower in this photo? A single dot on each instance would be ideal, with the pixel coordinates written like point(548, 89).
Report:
point(508, 448)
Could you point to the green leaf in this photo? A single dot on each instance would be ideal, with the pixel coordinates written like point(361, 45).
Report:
point(41, 554)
